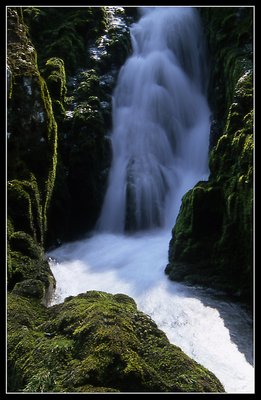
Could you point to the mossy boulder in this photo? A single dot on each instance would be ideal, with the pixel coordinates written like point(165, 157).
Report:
point(96, 342)
point(212, 241)
point(30, 288)
point(28, 270)
point(25, 244)
point(25, 208)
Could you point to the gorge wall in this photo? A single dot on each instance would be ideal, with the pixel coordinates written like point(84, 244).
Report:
point(212, 241)
point(62, 66)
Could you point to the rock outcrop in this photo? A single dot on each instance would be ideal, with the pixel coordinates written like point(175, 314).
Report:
point(212, 241)
point(32, 159)
point(95, 342)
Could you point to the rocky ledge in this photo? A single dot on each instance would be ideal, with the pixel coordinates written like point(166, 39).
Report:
point(95, 342)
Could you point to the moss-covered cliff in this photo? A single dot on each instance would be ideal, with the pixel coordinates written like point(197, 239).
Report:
point(95, 342)
point(32, 158)
point(62, 65)
point(213, 236)
point(80, 50)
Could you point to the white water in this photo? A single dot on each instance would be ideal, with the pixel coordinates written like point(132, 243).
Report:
point(192, 320)
point(161, 122)
point(160, 148)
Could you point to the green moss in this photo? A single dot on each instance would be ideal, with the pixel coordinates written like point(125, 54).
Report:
point(64, 32)
point(30, 288)
point(89, 85)
point(24, 268)
point(212, 239)
point(24, 243)
point(55, 76)
point(40, 382)
point(21, 55)
point(51, 132)
point(32, 147)
point(230, 40)
point(24, 207)
point(62, 36)
point(96, 342)
point(29, 273)
point(119, 45)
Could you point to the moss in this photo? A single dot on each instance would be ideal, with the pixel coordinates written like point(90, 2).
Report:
point(96, 342)
point(81, 107)
point(89, 85)
point(9, 82)
point(21, 55)
point(24, 207)
point(40, 382)
point(24, 267)
point(51, 132)
point(230, 40)
point(64, 32)
point(28, 270)
point(24, 243)
point(9, 232)
point(242, 101)
point(54, 73)
point(30, 288)
point(212, 239)
point(23, 316)
point(85, 155)
point(32, 147)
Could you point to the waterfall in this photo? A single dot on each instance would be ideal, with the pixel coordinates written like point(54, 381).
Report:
point(160, 150)
point(161, 122)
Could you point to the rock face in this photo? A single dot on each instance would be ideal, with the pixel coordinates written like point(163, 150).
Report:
point(58, 152)
point(212, 240)
point(32, 158)
point(80, 50)
point(95, 342)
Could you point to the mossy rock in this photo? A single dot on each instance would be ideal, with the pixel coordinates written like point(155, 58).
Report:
point(229, 35)
point(29, 272)
point(96, 342)
point(25, 208)
point(24, 243)
point(81, 106)
point(30, 288)
point(32, 140)
point(212, 241)
point(88, 85)
point(64, 32)
point(23, 268)
point(55, 76)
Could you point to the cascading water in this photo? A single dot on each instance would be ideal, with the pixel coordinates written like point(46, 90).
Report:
point(160, 150)
point(161, 122)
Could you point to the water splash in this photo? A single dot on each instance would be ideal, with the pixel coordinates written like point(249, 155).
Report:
point(134, 264)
